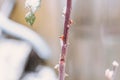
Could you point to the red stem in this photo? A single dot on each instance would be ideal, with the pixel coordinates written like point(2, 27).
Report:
point(65, 40)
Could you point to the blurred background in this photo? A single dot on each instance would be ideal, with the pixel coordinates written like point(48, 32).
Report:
point(94, 36)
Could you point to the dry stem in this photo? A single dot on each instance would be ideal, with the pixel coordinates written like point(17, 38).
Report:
point(65, 40)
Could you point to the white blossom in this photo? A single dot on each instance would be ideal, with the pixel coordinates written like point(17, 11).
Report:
point(109, 74)
point(33, 5)
point(115, 63)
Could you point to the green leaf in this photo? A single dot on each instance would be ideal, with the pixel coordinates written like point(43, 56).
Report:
point(30, 18)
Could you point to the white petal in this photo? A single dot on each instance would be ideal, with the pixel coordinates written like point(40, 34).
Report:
point(32, 4)
point(115, 63)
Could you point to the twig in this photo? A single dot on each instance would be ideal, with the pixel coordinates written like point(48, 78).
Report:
point(64, 38)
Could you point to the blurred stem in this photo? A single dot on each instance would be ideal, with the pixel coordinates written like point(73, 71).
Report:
point(67, 22)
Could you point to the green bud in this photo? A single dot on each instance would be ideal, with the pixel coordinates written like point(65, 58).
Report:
point(30, 18)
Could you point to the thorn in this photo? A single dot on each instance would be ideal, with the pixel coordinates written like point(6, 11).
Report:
point(61, 40)
point(70, 21)
point(62, 37)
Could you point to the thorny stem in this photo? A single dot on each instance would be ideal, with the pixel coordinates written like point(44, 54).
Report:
point(62, 60)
